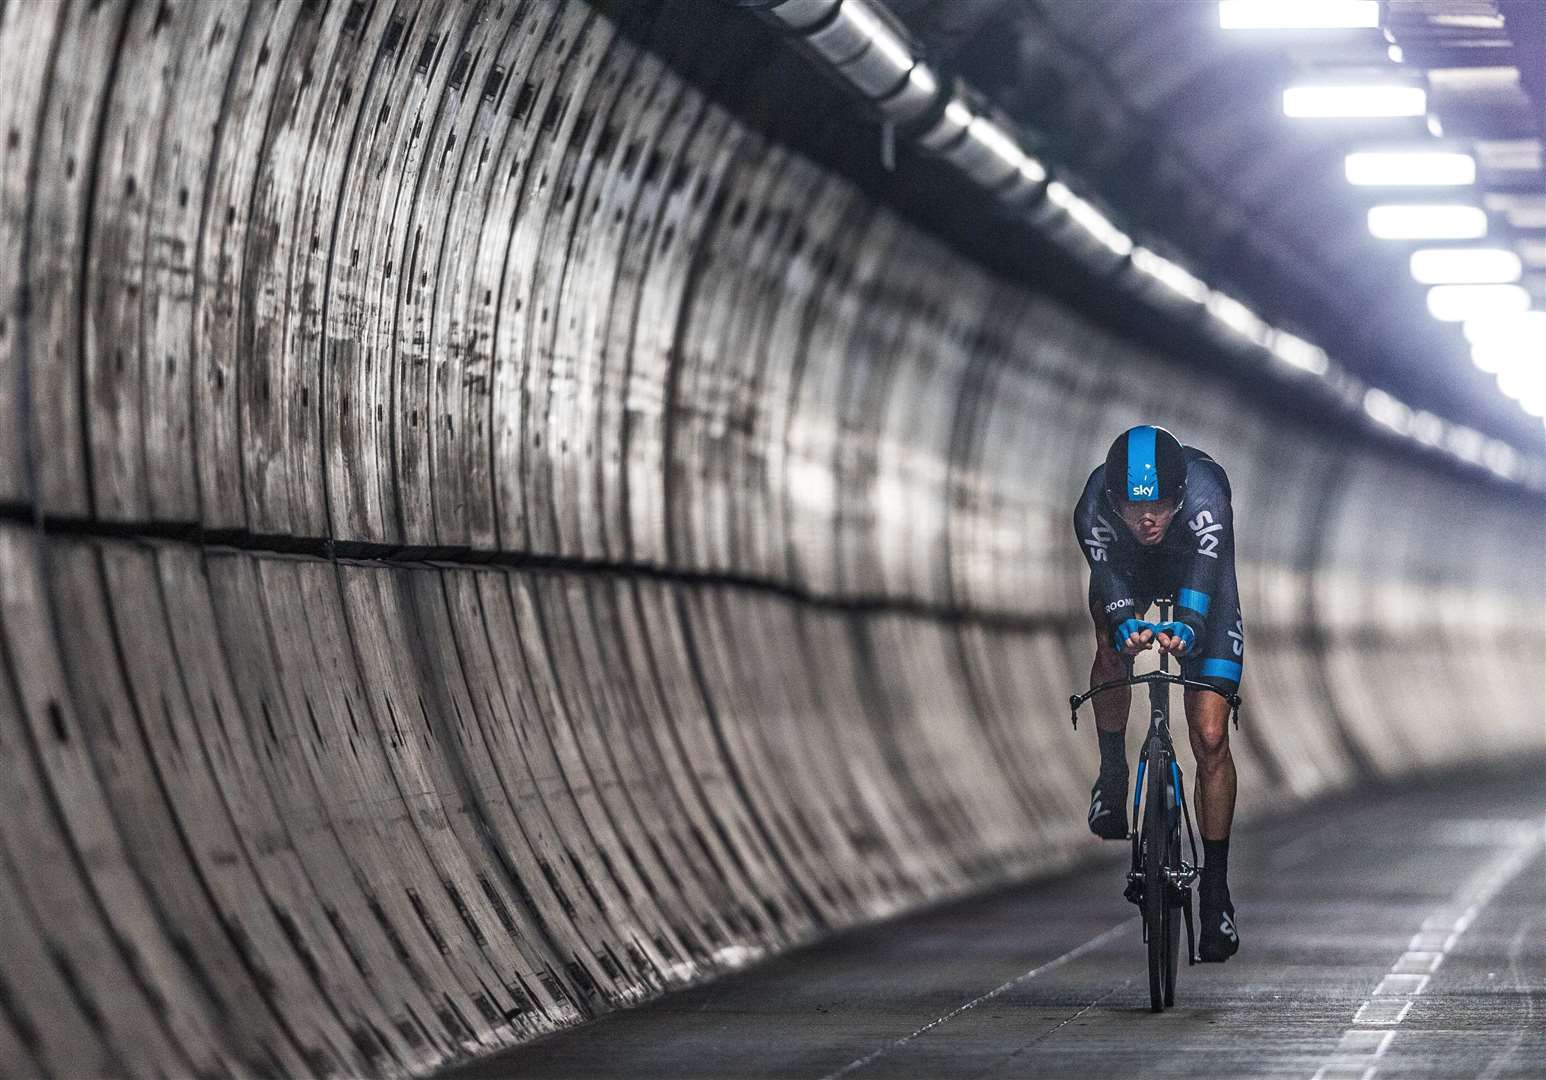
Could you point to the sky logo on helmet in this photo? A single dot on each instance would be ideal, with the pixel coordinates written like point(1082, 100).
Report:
point(1142, 465)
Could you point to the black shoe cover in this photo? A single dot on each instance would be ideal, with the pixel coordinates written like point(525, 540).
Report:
point(1108, 804)
point(1220, 937)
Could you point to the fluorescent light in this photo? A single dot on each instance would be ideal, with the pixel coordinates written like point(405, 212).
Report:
point(1299, 353)
point(1395, 54)
point(1496, 357)
point(1427, 428)
point(1456, 303)
point(1465, 443)
point(1522, 330)
point(1409, 168)
point(1504, 341)
point(1465, 266)
point(1298, 14)
point(1433, 221)
point(1526, 384)
point(1500, 458)
point(1355, 100)
point(1239, 318)
point(1384, 409)
point(1170, 275)
point(1091, 219)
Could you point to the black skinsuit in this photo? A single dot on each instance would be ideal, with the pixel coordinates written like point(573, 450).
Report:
point(1194, 563)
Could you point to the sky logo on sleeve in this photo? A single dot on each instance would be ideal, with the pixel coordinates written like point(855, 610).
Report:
point(1206, 529)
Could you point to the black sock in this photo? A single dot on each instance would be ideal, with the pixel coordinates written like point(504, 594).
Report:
point(1113, 752)
point(1215, 866)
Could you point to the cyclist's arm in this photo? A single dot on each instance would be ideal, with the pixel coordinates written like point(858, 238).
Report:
point(1112, 591)
point(1211, 523)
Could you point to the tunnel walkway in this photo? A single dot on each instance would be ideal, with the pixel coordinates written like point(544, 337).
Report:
point(1340, 905)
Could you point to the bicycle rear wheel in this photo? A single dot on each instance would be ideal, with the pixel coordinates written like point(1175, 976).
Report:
point(1156, 909)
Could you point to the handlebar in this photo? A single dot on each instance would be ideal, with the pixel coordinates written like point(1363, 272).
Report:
point(1077, 700)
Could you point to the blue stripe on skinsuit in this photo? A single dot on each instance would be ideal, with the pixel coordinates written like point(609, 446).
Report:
point(1191, 598)
point(1142, 469)
point(1221, 669)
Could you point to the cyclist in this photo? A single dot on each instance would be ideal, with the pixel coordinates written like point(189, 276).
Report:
point(1155, 520)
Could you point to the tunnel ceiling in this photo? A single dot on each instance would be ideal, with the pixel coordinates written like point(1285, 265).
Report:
point(1177, 127)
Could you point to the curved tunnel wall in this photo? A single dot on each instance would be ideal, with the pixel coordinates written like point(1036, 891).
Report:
point(490, 537)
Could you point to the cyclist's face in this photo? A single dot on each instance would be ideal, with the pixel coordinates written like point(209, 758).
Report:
point(1147, 520)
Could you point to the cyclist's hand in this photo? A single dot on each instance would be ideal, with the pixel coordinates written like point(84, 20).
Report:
point(1174, 638)
point(1138, 642)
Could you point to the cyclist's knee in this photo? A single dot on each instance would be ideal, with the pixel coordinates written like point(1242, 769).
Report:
point(1210, 743)
point(1207, 721)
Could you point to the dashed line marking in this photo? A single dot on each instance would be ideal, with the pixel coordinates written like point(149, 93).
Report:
point(1433, 941)
point(1376, 1011)
point(1360, 1047)
point(1408, 985)
point(1072, 954)
point(1418, 963)
point(1365, 1043)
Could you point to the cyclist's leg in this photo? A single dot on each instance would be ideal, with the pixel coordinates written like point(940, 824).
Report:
point(1108, 798)
point(1218, 660)
point(1207, 727)
point(1112, 707)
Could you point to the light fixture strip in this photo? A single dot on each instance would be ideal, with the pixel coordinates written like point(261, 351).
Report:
point(1299, 14)
point(1457, 303)
point(1409, 168)
point(1355, 101)
point(1427, 221)
point(1465, 266)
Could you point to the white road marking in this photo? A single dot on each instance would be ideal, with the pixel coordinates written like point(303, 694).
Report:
point(1345, 1072)
point(1418, 963)
point(1355, 1055)
point(1378, 1011)
point(1072, 954)
point(1364, 1043)
point(1433, 941)
point(1407, 985)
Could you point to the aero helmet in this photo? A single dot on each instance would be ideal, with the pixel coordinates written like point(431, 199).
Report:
point(1145, 465)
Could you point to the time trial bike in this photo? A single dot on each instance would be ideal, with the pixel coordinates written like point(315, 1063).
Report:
point(1160, 879)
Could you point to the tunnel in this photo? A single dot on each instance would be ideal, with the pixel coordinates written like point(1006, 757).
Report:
point(511, 510)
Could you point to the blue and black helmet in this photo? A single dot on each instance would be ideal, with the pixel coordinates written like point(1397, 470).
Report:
point(1145, 464)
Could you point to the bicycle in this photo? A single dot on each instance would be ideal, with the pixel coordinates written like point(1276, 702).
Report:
point(1160, 880)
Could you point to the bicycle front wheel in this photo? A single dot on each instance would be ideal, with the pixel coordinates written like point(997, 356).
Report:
point(1172, 862)
point(1156, 907)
